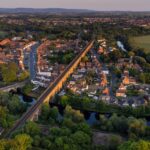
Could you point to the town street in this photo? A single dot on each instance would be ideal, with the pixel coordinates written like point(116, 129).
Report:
point(32, 61)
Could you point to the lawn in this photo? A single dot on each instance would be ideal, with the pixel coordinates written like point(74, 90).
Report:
point(141, 42)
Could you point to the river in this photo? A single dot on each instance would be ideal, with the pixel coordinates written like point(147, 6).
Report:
point(27, 99)
point(121, 46)
point(24, 98)
point(91, 117)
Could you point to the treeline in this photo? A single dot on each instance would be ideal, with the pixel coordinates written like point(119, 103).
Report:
point(39, 30)
point(72, 132)
point(86, 103)
point(133, 127)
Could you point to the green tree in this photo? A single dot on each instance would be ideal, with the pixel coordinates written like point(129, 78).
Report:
point(115, 55)
point(81, 139)
point(67, 122)
point(3, 117)
point(4, 98)
point(45, 111)
point(85, 59)
point(59, 142)
point(53, 113)
point(142, 78)
point(119, 123)
point(136, 126)
point(86, 103)
point(46, 143)
point(145, 78)
point(75, 115)
point(103, 122)
point(130, 145)
point(22, 142)
point(32, 128)
point(114, 142)
point(3, 144)
point(84, 127)
point(24, 75)
point(36, 141)
point(15, 106)
point(117, 72)
point(64, 100)
point(27, 88)
point(9, 72)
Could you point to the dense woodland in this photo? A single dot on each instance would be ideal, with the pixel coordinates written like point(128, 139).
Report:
point(72, 132)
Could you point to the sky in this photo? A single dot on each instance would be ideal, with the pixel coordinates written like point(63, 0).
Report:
point(108, 5)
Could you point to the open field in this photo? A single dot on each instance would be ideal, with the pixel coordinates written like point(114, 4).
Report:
point(141, 42)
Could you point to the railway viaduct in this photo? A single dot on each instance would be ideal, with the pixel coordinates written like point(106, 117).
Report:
point(33, 112)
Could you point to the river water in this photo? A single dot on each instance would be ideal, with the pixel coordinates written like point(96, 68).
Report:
point(27, 99)
point(121, 46)
point(92, 118)
point(24, 98)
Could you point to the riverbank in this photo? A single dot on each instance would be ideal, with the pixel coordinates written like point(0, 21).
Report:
point(85, 103)
point(23, 97)
point(93, 109)
point(91, 116)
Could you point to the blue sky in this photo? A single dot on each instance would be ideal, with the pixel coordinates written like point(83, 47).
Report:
point(133, 5)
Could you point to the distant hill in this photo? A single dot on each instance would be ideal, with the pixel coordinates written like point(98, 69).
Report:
point(63, 11)
point(46, 10)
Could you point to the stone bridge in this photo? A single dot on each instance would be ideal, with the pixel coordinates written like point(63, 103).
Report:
point(13, 86)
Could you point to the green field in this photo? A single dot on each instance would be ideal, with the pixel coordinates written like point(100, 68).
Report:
point(141, 42)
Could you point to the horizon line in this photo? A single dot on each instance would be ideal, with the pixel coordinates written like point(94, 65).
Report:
point(88, 9)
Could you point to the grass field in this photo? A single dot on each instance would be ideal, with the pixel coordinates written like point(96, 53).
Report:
point(141, 42)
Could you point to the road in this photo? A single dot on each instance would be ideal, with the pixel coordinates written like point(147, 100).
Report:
point(104, 67)
point(32, 61)
point(41, 99)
